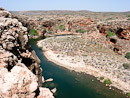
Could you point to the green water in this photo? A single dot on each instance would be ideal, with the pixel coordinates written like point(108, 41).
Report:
point(70, 84)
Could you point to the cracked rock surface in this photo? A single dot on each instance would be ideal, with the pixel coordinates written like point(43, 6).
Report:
point(20, 71)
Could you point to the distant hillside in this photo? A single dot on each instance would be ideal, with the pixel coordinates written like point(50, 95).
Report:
point(64, 12)
point(53, 12)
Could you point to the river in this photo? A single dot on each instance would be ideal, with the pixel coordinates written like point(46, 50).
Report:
point(71, 84)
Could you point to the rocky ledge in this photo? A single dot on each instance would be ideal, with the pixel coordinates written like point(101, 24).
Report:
point(20, 71)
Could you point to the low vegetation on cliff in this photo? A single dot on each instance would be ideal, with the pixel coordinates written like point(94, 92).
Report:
point(127, 55)
point(110, 34)
point(33, 32)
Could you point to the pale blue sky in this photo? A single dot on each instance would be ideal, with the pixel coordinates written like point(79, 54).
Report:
point(92, 5)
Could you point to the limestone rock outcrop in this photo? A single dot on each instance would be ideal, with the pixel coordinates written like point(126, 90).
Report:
point(20, 71)
point(121, 28)
point(45, 93)
point(121, 41)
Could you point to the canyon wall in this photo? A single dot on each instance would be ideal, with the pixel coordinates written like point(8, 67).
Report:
point(20, 71)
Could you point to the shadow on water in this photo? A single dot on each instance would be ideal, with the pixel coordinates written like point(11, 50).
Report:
point(70, 84)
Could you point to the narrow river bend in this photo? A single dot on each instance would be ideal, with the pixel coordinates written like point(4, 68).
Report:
point(70, 84)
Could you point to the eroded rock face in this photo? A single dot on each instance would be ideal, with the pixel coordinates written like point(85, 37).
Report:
point(121, 28)
point(121, 41)
point(20, 81)
point(20, 71)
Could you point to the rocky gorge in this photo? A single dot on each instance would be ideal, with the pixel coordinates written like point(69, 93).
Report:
point(20, 71)
point(93, 51)
point(102, 40)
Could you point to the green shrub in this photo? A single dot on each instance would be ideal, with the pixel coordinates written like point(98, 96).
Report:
point(128, 19)
point(109, 18)
point(80, 30)
point(77, 30)
point(106, 69)
point(108, 81)
point(33, 32)
point(127, 55)
point(61, 27)
point(40, 19)
point(101, 78)
point(69, 29)
point(126, 65)
point(110, 34)
point(128, 94)
point(128, 15)
point(44, 30)
point(98, 26)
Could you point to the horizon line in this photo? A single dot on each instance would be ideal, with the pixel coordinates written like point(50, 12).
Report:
point(69, 10)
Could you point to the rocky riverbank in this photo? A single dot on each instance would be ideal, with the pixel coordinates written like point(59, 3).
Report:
point(20, 71)
point(89, 56)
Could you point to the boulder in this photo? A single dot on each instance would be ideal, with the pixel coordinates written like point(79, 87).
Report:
point(49, 80)
point(45, 93)
point(53, 90)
